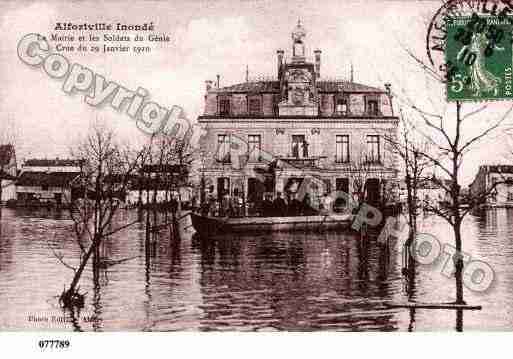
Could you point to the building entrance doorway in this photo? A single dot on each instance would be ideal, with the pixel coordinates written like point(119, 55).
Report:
point(223, 187)
point(341, 185)
point(256, 190)
point(373, 193)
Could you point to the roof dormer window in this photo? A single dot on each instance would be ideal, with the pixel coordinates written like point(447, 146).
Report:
point(341, 105)
point(254, 105)
point(372, 106)
point(224, 106)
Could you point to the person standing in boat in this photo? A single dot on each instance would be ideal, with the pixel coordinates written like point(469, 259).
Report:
point(204, 208)
point(294, 208)
point(227, 205)
point(210, 203)
point(240, 206)
point(173, 204)
point(306, 208)
point(327, 203)
point(266, 207)
point(233, 204)
point(236, 203)
point(279, 206)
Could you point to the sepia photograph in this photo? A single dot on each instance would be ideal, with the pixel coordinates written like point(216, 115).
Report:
point(255, 166)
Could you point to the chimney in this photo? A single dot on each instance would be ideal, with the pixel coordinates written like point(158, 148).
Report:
point(208, 84)
point(388, 88)
point(317, 63)
point(280, 61)
point(218, 77)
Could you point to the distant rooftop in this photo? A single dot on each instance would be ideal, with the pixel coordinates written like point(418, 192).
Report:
point(54, 179)
point(56, 162)
point(499, 168)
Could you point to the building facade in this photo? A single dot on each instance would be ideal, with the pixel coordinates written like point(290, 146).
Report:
point(8, 172)
point(496, 181)
point(47, 181)
point(270, 136)
point(429, 191)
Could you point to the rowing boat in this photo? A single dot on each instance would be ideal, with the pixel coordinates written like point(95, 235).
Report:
point(209, 226)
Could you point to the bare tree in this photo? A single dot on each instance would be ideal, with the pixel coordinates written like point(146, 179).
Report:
point(408, 147)
point(449, 136)
point(360, 170)
point(365, 167)
point(107, 169)
point(165, 172)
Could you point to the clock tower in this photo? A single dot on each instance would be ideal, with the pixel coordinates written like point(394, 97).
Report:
point(297, 80)
point(298, 46)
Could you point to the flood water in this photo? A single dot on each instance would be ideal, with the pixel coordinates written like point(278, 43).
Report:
point(295, 282)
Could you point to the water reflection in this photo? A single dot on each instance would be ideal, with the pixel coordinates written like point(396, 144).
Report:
point(326, 281)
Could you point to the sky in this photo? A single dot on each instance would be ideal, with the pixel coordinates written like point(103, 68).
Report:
point(210, 38)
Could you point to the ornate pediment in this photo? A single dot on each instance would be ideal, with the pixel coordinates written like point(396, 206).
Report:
point(299, 94)
point(300, 89)
point(299, 75)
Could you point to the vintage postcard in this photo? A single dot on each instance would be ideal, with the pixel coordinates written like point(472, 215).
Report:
point(290, 166)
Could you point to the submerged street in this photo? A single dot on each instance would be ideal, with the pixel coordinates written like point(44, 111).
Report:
point(280, 281)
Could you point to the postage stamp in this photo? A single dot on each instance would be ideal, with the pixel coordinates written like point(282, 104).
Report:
point(478, 55)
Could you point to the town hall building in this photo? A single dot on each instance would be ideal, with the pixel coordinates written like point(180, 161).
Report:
point(294, 127)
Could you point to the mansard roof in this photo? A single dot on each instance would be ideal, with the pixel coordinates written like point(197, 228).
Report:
point(345, 86)
point(252, 87)
point(322, 85)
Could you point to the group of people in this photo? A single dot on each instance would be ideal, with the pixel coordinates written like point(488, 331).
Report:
point(235, 206)
point(279, 207)
point(225, 206)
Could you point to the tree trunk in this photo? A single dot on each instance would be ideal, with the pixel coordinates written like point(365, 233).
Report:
point(140, 205)
point(458, 264)
point(455, 194)
point(1, 191)
point(96, 262)
point(82, 266)
point(409, 198)
point(154, 209)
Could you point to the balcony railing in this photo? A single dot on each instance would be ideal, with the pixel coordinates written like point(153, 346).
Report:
point(375, 162)
point(302, 162)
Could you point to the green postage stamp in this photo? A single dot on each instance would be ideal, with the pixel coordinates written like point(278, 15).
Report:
point(479, 58)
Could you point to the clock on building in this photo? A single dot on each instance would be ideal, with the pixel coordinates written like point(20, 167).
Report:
point(298, 96)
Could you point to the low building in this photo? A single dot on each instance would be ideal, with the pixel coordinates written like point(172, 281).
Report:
point(494, 184)
point(47, 181)
point(429, 191)
point(8, 169)
point(159, 184)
